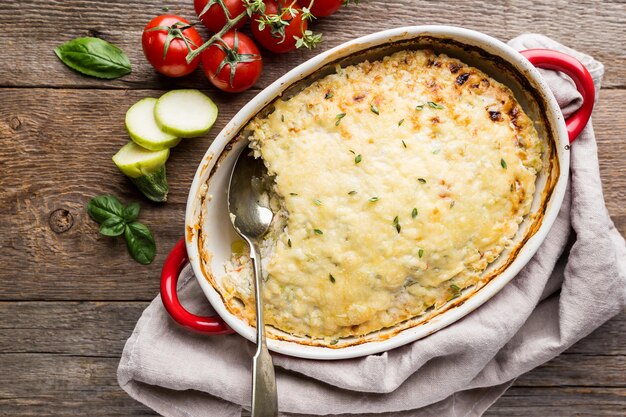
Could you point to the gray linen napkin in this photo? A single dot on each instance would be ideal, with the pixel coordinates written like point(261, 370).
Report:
point(575, 282)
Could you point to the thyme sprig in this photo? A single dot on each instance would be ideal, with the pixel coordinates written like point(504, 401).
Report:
point(277, 22)
point(285, 16)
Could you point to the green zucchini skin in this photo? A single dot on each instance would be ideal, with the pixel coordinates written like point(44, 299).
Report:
point(153, 185)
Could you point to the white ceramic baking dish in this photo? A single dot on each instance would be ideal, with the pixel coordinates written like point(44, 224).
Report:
point(209, 233)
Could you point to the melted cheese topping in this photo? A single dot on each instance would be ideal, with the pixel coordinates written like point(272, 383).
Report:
point(398, 181)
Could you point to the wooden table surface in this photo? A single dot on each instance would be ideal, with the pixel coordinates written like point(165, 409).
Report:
point(70, 297)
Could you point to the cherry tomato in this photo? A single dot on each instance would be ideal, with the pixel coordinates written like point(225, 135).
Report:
point(214, 18)
point(234, 68)
point(278, 36)
point(170, 62)
point(321, 8)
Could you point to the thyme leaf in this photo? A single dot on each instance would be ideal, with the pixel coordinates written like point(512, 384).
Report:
point(396, 223)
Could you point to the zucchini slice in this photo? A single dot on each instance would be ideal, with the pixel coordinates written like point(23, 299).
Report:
point(143, 129)
point(135, 161)
point(185, 113)
point(145, 168)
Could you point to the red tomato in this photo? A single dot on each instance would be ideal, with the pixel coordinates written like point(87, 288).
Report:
point(171, 62)
point(241, 66)
point(214, 18)
point(321, 8)
point(277, 36)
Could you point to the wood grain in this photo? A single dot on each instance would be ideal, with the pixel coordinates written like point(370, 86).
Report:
point(559, 402)
point(56, 385)
point(97, 329)
point(69, 298)
point(579, 24)
point(77, 345)
point(83, 385)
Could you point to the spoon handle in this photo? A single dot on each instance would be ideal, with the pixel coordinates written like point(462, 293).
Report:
point(264, 398)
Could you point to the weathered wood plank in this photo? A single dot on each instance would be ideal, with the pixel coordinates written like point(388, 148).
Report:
point(51, 385)
point(560, 402)
point(68, 328)
point(573, 369)
point(610, 127)
point(48, 24)
point(55, 385)
point(55, 150)
point(77, 346)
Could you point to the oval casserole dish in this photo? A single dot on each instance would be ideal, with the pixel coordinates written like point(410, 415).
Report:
point(210, 234)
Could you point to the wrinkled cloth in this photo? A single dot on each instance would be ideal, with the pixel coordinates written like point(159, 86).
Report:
point(574, 283)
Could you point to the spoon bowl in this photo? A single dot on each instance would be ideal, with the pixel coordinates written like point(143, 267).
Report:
point(246, 197)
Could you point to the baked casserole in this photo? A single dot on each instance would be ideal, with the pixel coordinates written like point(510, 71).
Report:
point(394, 183)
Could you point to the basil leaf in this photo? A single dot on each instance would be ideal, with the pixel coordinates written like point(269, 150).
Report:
point(140, 243)
point(113, 226)
point(103, 207)
point(94, 57)
point(131, 212)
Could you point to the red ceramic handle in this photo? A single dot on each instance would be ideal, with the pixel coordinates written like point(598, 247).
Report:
point(174, 263)
point(554, 60)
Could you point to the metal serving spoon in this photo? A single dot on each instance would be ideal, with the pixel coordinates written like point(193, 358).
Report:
point(251, 220)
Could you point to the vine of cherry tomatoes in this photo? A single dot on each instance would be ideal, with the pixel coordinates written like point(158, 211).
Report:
point(231, 59)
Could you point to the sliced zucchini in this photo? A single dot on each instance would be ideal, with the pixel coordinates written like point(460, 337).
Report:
point(153, 185)
point(135, 161)
point(185, 113)
point(143, 129)
point(145, 168)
